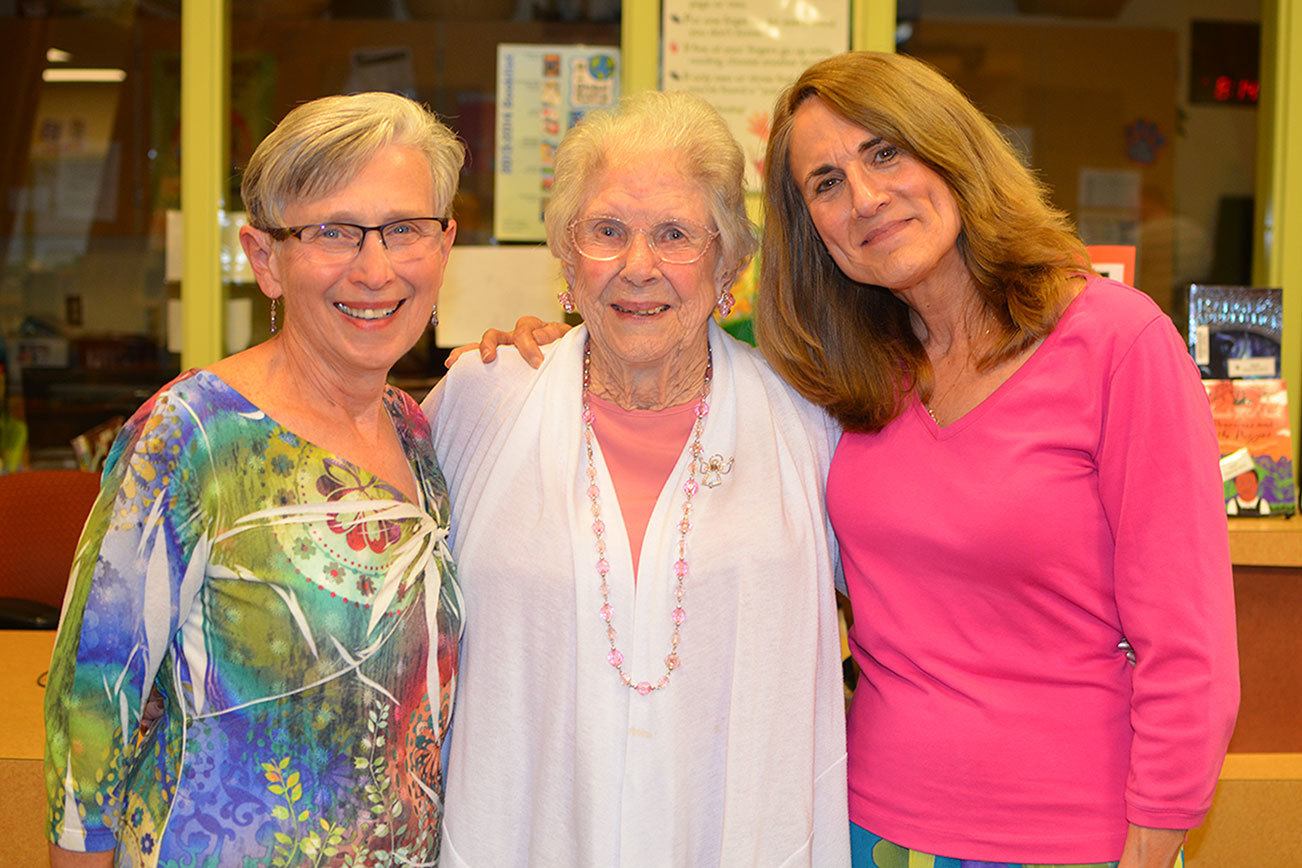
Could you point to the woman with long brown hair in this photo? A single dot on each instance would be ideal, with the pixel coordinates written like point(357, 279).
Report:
point(1026, 497)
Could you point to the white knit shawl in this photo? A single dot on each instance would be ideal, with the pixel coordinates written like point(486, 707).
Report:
point(741, 760)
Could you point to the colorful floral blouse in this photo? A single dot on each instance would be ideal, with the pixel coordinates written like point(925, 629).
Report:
point(272, 603)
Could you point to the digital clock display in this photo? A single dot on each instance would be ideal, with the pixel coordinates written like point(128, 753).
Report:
point(1224, 62)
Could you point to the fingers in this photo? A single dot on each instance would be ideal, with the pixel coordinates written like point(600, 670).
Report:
point(530, 342)
point(526, 342)
point(529, 336)
point(490, 341)
point(458, 353)
point(530, 346)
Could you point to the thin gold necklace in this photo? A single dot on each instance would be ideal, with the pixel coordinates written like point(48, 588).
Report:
point(958, 378)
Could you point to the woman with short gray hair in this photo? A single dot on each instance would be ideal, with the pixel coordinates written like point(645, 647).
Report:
point(652, 675)
point(258, 652)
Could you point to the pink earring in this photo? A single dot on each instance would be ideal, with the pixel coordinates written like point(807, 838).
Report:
point(725, 303)
point(566, 298)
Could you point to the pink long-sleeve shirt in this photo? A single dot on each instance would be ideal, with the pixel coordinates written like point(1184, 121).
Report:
point(995, 564)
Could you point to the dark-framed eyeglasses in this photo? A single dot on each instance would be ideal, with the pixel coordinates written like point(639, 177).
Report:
point(405, 239)
point(675, 241)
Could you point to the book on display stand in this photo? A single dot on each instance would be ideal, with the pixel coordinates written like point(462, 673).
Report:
point(1235, 332)
point(1256, 445)
point(1235, 336)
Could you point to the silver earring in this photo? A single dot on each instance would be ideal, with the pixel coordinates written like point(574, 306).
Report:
point(434, 315)
point(275, 302)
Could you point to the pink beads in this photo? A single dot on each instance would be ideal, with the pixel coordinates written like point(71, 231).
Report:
point(691, 487)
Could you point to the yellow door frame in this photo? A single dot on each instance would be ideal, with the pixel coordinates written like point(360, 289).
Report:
point(1276, 262)
point(205, 71)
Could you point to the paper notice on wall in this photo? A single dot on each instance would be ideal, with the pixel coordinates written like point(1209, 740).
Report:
point(740, 54)
point(542, 91)
point(1117, 189)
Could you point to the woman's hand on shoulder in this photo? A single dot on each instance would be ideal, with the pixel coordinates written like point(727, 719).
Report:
point(529, 336)
point(1151, 848)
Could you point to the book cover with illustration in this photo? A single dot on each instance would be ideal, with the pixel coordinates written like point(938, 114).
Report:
point(1251, 418)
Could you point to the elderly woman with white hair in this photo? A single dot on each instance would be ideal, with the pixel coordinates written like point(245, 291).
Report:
point(651, 669)
point(258, 651)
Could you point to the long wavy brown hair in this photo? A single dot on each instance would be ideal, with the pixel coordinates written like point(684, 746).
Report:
point(851, 347)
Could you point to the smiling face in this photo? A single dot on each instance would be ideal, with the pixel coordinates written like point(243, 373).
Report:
point(643, 312)
point(360, 315)
point(886, 218)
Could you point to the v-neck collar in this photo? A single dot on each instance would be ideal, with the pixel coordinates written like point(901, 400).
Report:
point(394, 418)
point(1026, 369)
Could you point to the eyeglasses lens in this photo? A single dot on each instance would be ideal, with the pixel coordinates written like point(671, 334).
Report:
point(404, 239)
point(675, 241)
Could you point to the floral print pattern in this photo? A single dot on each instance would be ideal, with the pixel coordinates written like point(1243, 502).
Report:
point(274, 605)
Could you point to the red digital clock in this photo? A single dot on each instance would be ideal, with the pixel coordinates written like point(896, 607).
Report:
point(1224, 62)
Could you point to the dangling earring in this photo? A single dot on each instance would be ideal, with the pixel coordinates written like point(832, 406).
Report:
point(566, 298)
point(434, 315)
point(725, 303)
point(275, 302)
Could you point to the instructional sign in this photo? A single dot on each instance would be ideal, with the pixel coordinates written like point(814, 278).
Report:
point(740, 54)
point(542, 91)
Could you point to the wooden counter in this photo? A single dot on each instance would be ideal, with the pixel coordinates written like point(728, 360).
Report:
point(1256, 816)
point(1266, 542)
point(26, 656)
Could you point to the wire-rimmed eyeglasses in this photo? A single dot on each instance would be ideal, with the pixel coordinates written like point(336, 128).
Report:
point(679, 242)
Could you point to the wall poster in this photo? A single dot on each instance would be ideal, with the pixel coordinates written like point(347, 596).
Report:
point(542, 91)
point(740, 54)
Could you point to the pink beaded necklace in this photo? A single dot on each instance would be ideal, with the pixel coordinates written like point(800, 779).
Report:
point(616, 657)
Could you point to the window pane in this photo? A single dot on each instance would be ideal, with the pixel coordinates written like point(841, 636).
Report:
point(1097, 95)
point(441, 52)
point(88, 168)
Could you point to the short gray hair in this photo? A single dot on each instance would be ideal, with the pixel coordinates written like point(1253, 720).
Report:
point(322, 144)
point(654, 122)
